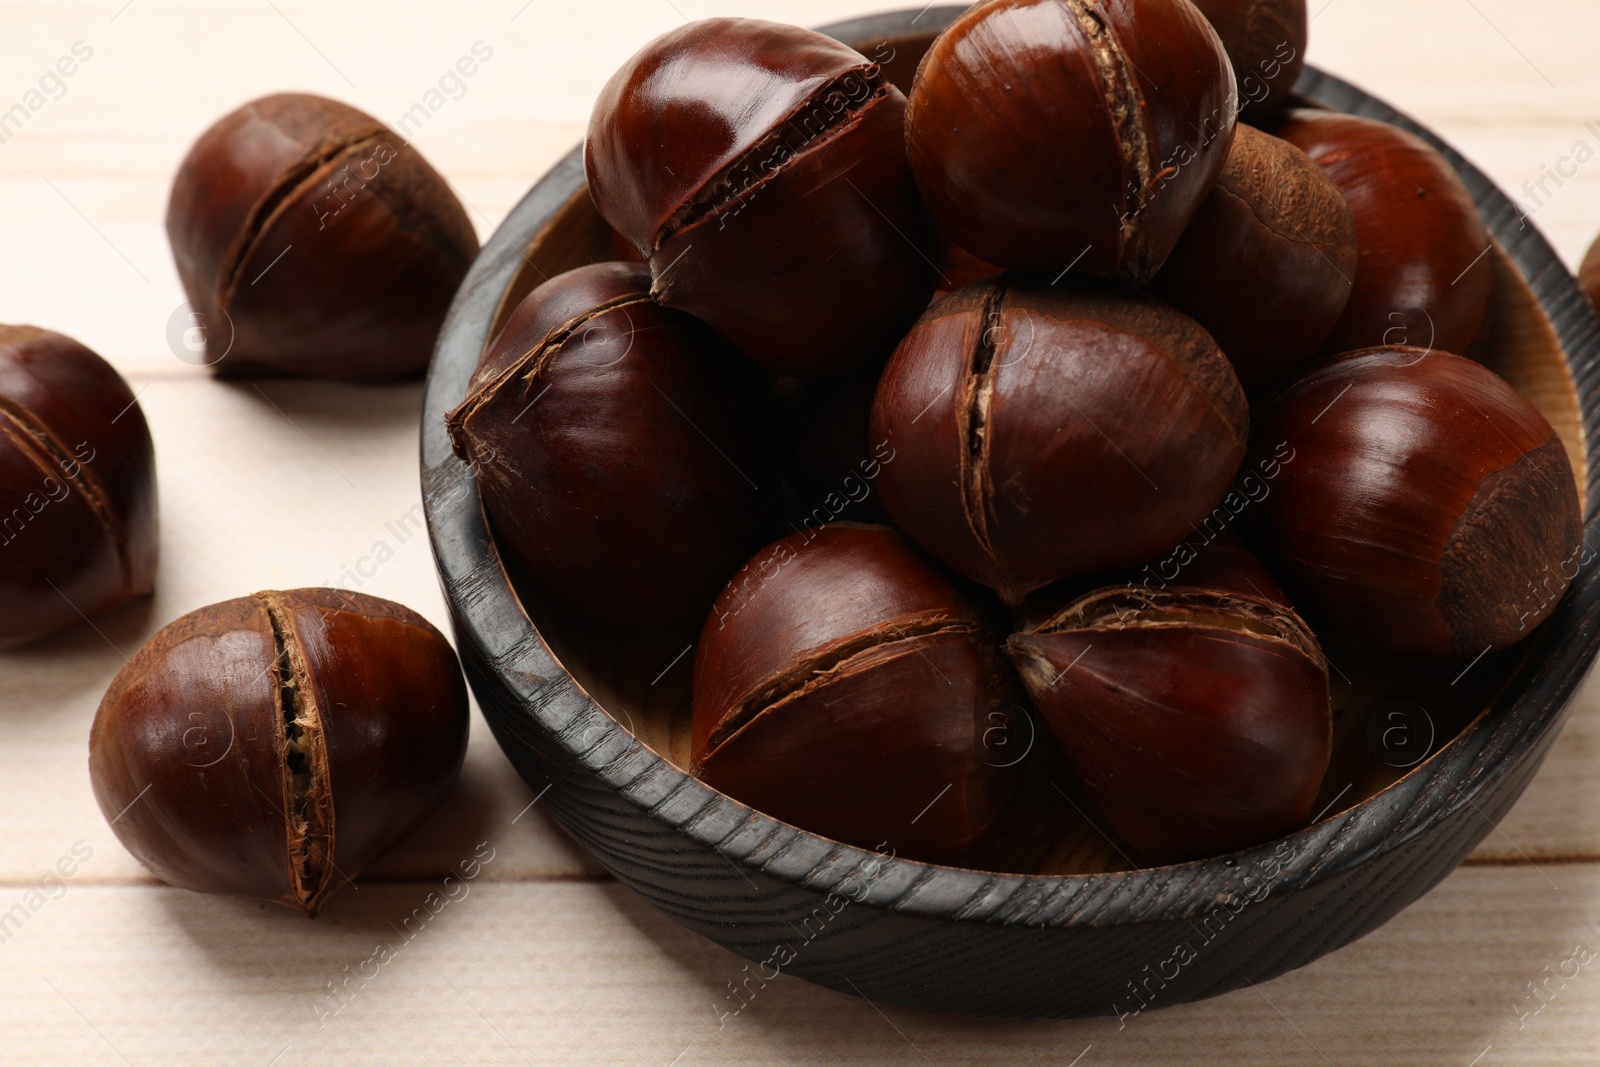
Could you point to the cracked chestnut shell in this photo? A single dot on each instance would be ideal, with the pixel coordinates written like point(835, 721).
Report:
point(1266, 43)
point(1426, 508)
point(1052, 134)
point(1424, 274)
point(1268, 264)
point(330, 244)
point(843, 685)
point(1045, 431)
point(78, 523)
point(1196, 714)
point(761, 169)
point(626, 453)
point(275, 745)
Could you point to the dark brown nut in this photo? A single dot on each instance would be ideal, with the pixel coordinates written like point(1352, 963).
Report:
point(1269, 263)
point(1427, 510)
point(328, 242)
point(1197, 714)
point(1266, 42)
point(78, 529)
point(1043, 431)
point(1052, 134)
point(843, 685)
point(761, 169)
point(626, 453)
point(275, 745)
point(1425, 274)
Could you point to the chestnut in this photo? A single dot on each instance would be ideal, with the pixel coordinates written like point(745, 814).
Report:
point(1266, 43)
point(1423, 507)
point(78, 522)
point(761, 169)
point(1052, 134)
point(1268, 264)
point(1424, 274)
point(275, 745)
point(1043, 431)
point(327, 241)
point(828, 453)
point(626, 453)
point(1196, 714)
point(844, 685)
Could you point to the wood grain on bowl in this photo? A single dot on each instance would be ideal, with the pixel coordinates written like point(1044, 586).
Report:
point(1045, 918)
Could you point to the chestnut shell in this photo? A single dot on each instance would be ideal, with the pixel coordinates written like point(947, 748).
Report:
point(275, 745)
point(78, 507)
point(761, 169)
point(627, 454)
point(844, 685)
point(1426, 508)
point(331, 245)
point(1019, 458)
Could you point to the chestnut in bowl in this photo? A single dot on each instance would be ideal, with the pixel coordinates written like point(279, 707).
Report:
point(1055, 925)
point(78, 526)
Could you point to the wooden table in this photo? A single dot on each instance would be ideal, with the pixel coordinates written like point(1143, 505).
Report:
point(546, 959)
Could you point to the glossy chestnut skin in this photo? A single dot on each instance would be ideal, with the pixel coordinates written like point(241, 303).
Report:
point(761, 169)
point(1268, 264)
point(275, 745)
point(843, 684)
point(1266, 43)
point(1021, 454)
point(78, 524)
point(373, 243)
point(1197, 714)
point(1014, 138)
point(1422, 277)
point(1427, 509)
point(626, 453)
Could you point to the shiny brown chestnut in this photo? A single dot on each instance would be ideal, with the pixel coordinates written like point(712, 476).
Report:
point(761, 168)
point(1425, 508)
point(626, 453)
point(1044, 431)
point(324, 242)
point(275, 745)
point(1055, 134)
point(843, 685)
point(1423, 275)
point(78, 525)
point(1269, 263)
point(1197, 714)
point(1266, 43)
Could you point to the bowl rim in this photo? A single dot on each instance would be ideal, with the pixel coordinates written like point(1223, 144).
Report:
point(487, 616)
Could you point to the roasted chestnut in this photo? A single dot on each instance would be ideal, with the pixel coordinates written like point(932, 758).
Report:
point(761, 168)
point(1423, 506)
point(626, 453)
point(842, 684)
point(77, 487)
point(1196, 713)
point(327, 241)
point(275, 745)
point(1424, 274)
point(1266, 43)
point(1056, 134)
point(1046, 431)
point(1268, 264)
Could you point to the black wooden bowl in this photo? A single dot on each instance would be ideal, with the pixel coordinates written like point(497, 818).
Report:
point(1047, 919)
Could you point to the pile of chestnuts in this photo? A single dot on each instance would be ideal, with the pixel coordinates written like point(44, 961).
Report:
point(1094, 378)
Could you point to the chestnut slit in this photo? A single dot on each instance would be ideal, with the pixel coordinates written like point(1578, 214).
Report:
point(260, 218)
point(812, 671)
point(305, 753)
point(1125, 102)
point(979, 400)
point(1118, 608)
point(75, 472)
point(746, 170)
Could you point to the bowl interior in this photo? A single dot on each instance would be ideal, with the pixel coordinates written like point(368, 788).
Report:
point(643, 680)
